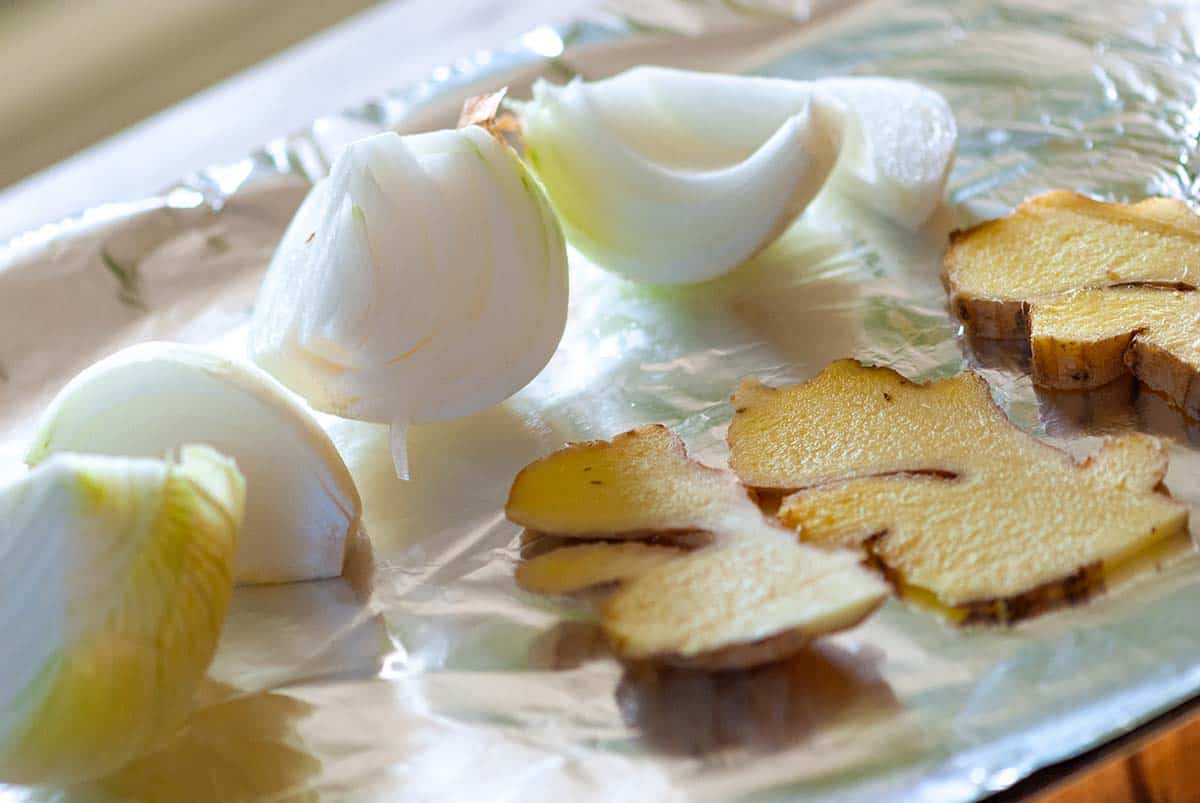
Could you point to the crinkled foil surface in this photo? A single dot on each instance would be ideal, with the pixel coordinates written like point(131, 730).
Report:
point(425, 674)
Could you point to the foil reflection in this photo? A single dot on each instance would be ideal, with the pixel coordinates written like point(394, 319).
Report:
point(233, 748)
point(278, 634)
point(1010, 356)
point(568, 645)
point(462, 470)
point(1161, 417)
point(766, 708)
point(680, 711)
point(1111, 408)
point(1122, 405)
point(800, 296)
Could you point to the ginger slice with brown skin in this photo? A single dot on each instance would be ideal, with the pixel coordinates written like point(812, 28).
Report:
point(755, 594)
point(1099, 289)
point(638, 485)
point(952, 500)
point(592, 564)
point(1089, 338)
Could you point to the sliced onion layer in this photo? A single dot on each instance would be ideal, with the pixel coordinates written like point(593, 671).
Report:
point(150, 398)
point(667, 177)
point(115, 575)
point(424, 279)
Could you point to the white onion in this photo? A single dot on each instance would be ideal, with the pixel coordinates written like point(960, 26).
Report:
point(424, 279)
point(115, 575)
point(150, 398)
point(667, 177)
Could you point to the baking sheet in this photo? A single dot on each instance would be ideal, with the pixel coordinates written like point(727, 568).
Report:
point(425, 674)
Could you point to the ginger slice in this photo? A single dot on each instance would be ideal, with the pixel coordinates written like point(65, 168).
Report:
point(640, 484)
point(1089, 338)
point(1062, 241)
point(949, 497)
point(581, 567)
point(755, 594)
point(1100, 289)
point(851, 420)
point(753, 598)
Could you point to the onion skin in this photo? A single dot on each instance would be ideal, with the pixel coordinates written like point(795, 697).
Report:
point(117, 574)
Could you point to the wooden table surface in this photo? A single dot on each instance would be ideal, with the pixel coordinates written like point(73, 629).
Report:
point(1154, 764)
point(1163, 767)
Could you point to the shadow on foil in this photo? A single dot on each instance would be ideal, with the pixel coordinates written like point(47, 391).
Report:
point(233, 747)
point(762, 709)
point(1123, 405)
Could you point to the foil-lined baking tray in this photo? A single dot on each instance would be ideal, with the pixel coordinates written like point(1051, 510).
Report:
point(425, 674)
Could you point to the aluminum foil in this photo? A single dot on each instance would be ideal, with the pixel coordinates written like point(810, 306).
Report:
point(425, 674)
